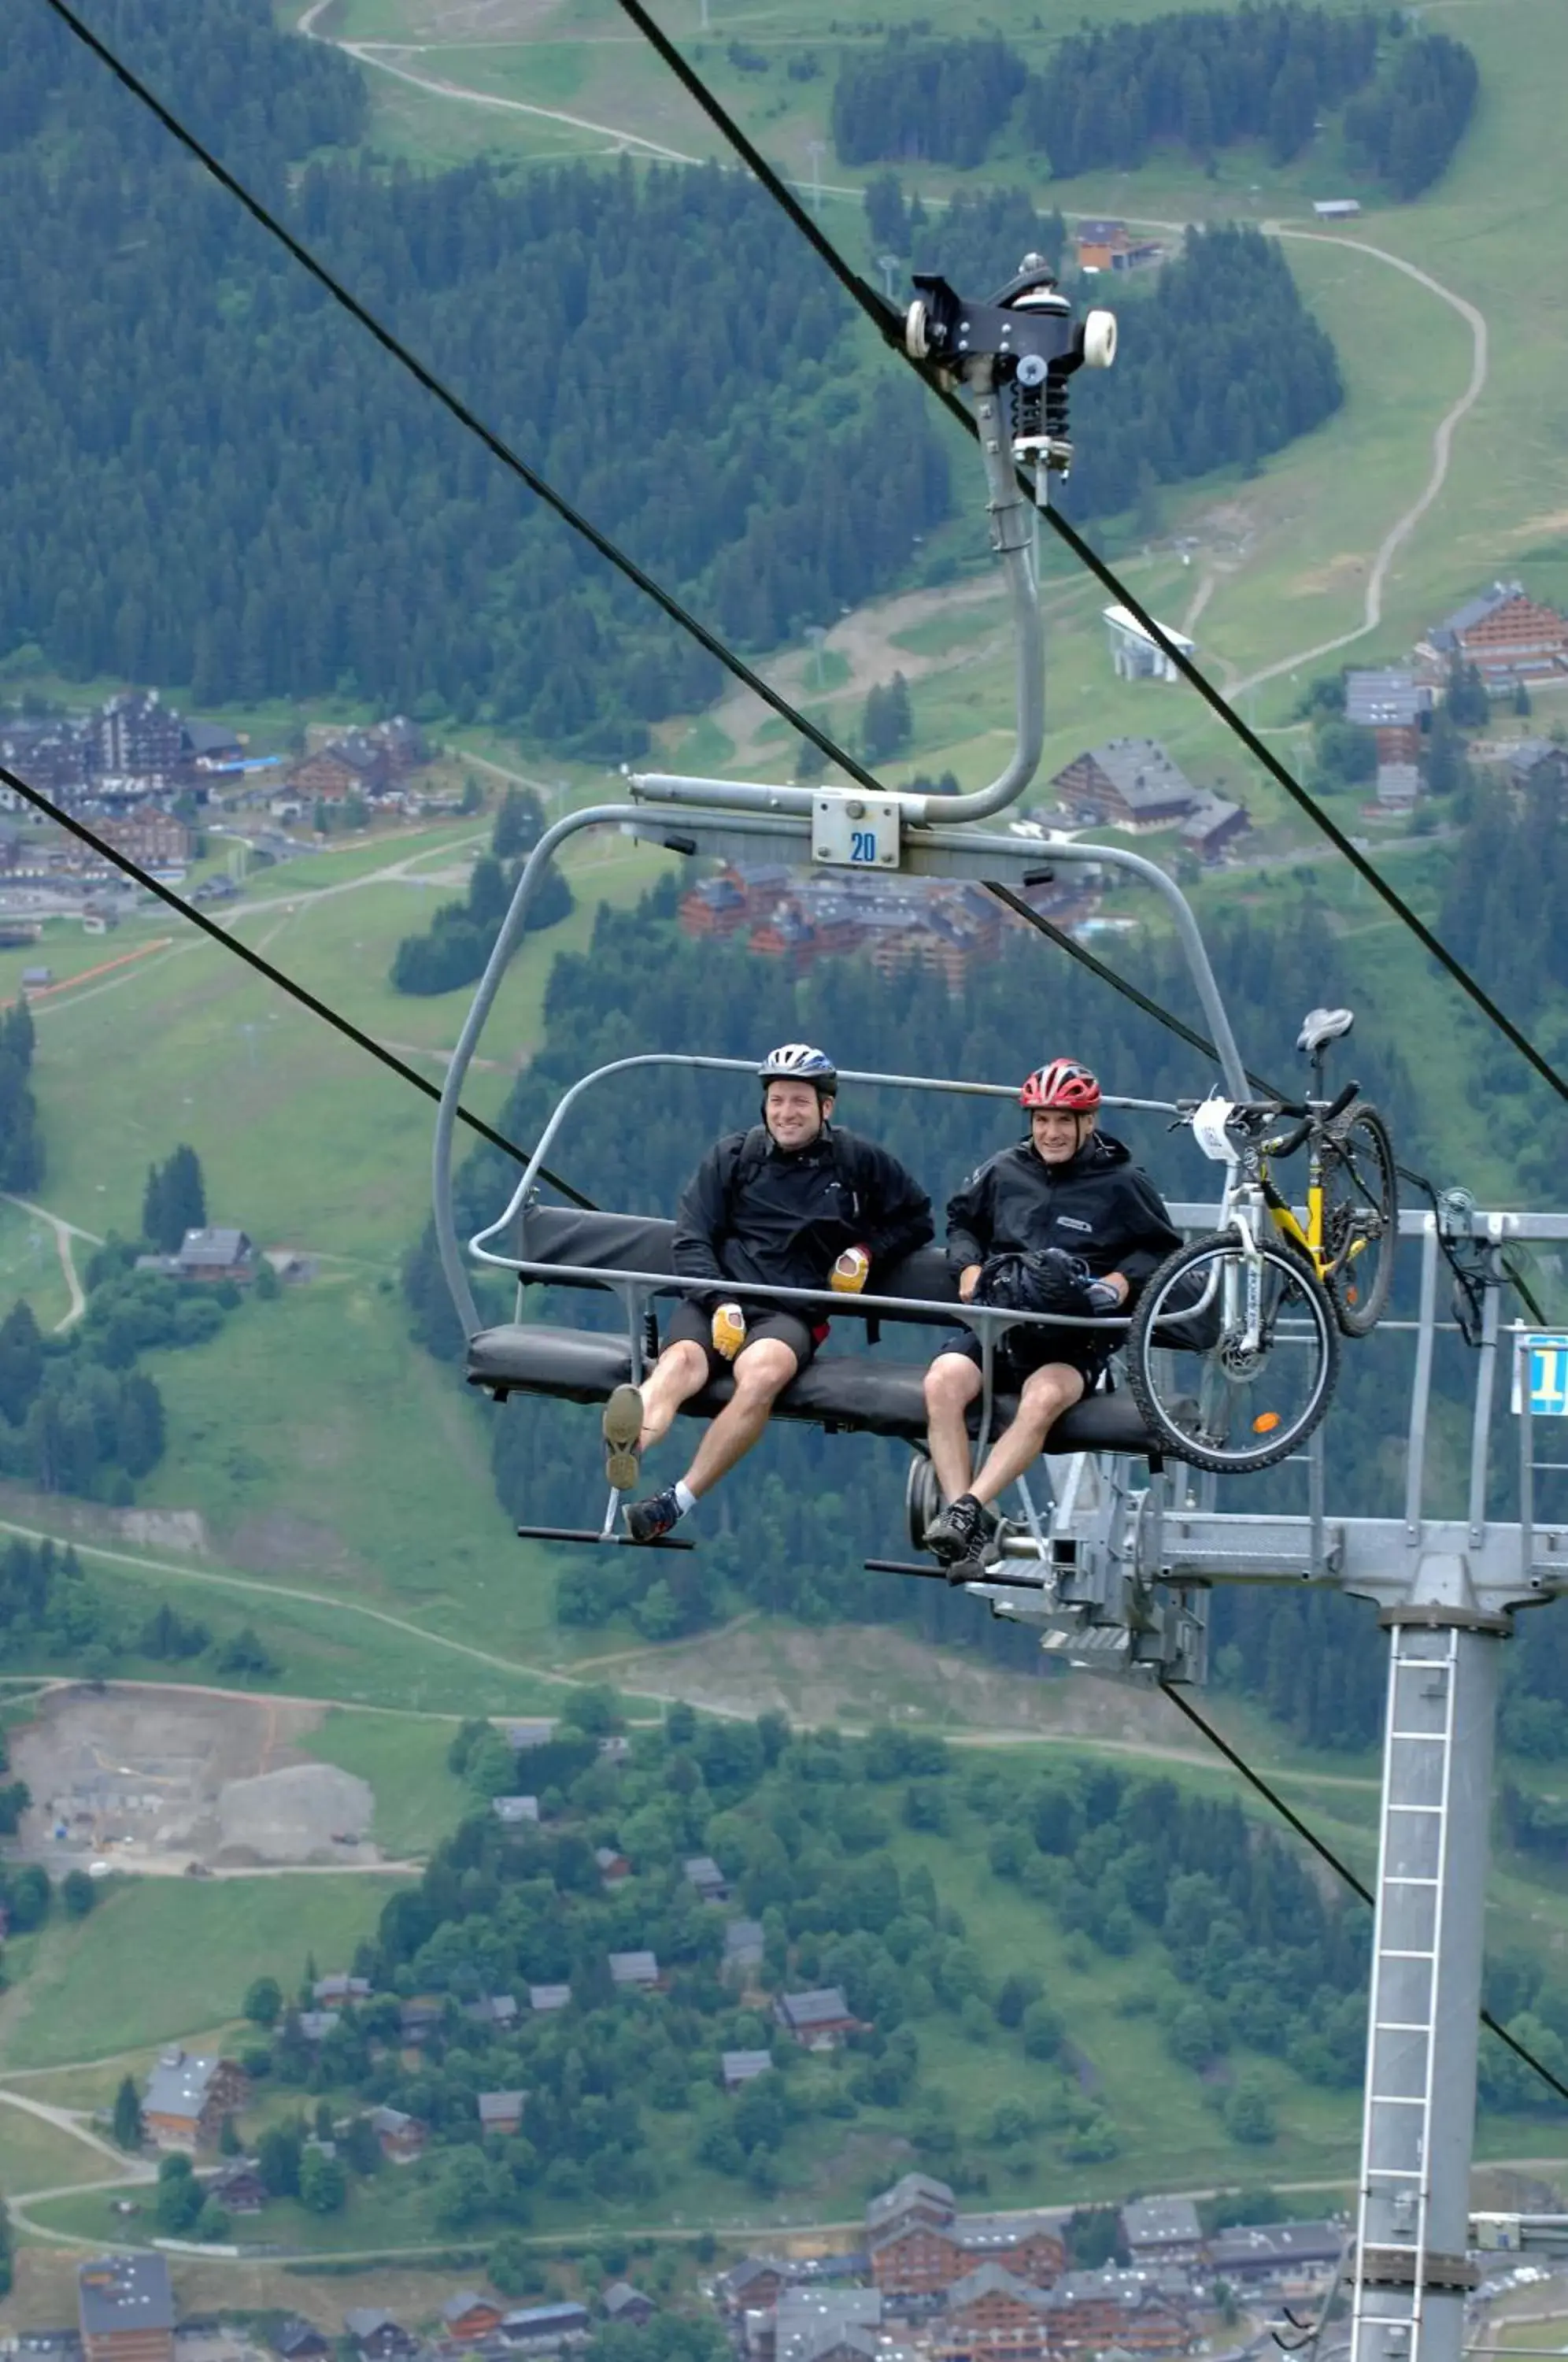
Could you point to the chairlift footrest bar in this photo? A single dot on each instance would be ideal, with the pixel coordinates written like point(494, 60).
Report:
point(593, 1534)
point(934, 1574)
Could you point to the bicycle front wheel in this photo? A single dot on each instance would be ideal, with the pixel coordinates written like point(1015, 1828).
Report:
point(1361, 1218)
point(1266, 1373)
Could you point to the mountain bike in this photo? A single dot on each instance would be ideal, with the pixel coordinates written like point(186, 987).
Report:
point(1268, 1293)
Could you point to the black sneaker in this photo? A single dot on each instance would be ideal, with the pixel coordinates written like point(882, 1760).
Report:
point(622, 1427)
point(645, 1520)
point(961, 1535)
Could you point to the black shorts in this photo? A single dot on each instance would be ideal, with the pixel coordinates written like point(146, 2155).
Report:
point(1020, 1352)
point(688, 1325)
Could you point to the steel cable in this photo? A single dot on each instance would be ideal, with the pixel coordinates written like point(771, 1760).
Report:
point(1326, 1854)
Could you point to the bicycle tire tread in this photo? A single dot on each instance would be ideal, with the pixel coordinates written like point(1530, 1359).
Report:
point(1146, 1395)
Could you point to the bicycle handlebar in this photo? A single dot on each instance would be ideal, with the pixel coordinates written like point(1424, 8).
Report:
point(1289, 1142)
point(1255, 1109)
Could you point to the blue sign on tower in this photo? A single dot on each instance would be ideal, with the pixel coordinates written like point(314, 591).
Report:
point(1542, 1366)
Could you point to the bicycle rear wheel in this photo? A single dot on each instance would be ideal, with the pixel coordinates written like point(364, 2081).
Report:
point(1361, 1218)
point(1252, 1405)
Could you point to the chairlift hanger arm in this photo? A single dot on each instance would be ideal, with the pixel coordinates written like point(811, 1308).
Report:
point(1011, 536)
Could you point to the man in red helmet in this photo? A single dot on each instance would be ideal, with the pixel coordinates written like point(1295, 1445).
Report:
point(1064, 1222)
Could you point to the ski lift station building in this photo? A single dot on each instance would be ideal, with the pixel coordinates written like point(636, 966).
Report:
point(1135, 655)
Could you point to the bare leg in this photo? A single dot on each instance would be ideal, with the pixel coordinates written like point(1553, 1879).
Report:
point(762, 1372)
point(680, 1372)
point(1047, 1394)
point(952, 1383)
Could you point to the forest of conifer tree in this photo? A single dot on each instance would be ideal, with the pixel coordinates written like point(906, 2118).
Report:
point(1202, 79)
point(216, 483)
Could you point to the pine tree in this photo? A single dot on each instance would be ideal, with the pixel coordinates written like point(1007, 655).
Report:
point(128, 2123)
point(21, 1361)
point(1464, 696)
point(887, 720)
point(174, 1200)
point(886, 216)
point(153, 1225)
point(519, 824)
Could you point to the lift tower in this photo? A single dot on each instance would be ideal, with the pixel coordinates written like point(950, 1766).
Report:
point(1119, 1581)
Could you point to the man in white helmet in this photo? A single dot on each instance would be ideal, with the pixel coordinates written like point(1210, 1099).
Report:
point(791, 1203)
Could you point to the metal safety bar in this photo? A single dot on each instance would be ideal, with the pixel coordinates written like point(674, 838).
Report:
point(946, 1310)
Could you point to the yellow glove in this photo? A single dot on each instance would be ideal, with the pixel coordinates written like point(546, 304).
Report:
point(729, 1331)
point(849, 1274)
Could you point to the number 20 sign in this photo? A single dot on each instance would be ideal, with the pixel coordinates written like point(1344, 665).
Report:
point(851, 832)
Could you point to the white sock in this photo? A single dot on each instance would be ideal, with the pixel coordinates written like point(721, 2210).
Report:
point(685, 1498)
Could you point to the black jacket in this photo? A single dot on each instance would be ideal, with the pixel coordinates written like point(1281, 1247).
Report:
point(1100, 1205)
point(753, 1211)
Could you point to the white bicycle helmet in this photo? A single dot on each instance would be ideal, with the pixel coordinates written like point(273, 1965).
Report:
point(798, 1061)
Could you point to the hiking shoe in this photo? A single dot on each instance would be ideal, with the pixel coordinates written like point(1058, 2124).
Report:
point(645, 1520)
point(961, 1536)
point(622, 1427)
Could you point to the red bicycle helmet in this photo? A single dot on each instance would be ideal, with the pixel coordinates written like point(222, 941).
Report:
point(1062, 1084)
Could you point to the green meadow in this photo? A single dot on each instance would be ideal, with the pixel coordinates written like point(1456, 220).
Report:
point(165, 1957)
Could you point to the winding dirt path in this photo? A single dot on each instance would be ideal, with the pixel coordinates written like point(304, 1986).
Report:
point(1442, 449)
point(70, 2121)
point(382, 56)
point(339, 1604)
point(64, 1232)
point(1403, 526)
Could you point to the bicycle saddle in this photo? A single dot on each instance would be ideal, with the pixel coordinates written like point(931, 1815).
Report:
point(1323, 1025)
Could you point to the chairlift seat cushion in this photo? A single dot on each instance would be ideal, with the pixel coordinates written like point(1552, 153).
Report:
point(861, 1392)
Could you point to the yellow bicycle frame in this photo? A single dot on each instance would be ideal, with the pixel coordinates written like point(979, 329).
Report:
point(1310, 1241)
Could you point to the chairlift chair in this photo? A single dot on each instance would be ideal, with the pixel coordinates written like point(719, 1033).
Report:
point(1015, 355)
